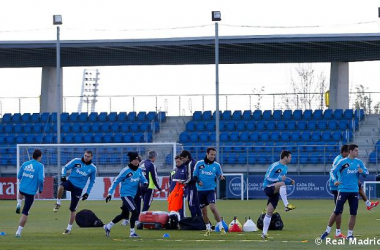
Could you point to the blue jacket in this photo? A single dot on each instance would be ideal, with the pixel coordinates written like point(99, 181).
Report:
point(150, 173)
point(129, 180)
point(80, 173)
point(179, 173)
point(190, 165)
point(349, 175)
point(31, 176)
point(336, 160)
point(274, 174)
point(207, 173)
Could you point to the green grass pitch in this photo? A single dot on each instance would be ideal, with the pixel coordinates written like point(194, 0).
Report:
point(44, 228)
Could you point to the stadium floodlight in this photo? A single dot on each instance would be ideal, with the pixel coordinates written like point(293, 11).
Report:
point(216, 16)
point(57, 19)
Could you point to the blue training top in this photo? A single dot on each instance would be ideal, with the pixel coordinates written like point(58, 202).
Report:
point(129, 182)
point(274, 174)
point(179, 173)
point(331, 183)
point(349, 175)
point(80, 173)
point(31, 176)
point(207, 174)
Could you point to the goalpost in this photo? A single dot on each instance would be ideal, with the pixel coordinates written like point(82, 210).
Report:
point(109, 158)
point(236, 189)
point(372, 189)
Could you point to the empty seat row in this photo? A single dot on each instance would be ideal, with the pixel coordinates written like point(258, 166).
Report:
point(296, 136)
point(80, 127)
point(272, 125)
point(85, 117)
point(308, 114)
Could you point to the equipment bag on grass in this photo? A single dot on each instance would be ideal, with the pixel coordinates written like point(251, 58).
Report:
point(275, 223)
point(192, 223)
point(87, 218)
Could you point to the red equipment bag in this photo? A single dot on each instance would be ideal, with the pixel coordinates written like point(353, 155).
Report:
point(153, 219)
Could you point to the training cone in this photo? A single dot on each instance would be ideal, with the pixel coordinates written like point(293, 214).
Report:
point(249, 226)
point(166, 236)
point(2, 234)
point(234, 226)
point(224, 224)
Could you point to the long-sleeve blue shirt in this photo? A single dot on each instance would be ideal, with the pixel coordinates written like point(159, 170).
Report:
point(190, 165)
point(274, 174)
point(336, 160)
point(349, 175)
point(31, 176)
point(80, 173)
point(129, 180)
point(179, 173)
point(150, 173)
point(207, 174)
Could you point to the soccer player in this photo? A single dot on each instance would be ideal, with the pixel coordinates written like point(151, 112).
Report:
point(150, 173)
point(82, 170)
point(31, 176)
point(275, 182)
point(349, 168)
point(130, 177)
point(191, 188)
point(334, 191)
point(205, 174)
point(178, 175)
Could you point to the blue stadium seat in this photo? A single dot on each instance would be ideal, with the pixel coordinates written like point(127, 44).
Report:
point(240, 125)
point(318, 114)
point(65, 128)
point(267, 115)
point(305, 136)
point(25, 118)
point(20, 139)
point(131, 117)
point(7, 118)
point(184, 137)
point(251, 125)
point(112, 117)
point(151, 116)
point(226, 115)
point(277, 115)
point(264, 136)
point(122, 117)
point(343, 125)
point(287, 115)
point(252, 159)
point(95, 128)
point(200, 126)
point(124, 127)
point(29, 139)
point(93, 117)
point(285, 136)
point(347, 136)
point(38, 138)
point(260, 125)
point(337, 136)
point(207, 115)
point(244, 136)
point(326, 136)
point(141, 116)
point(254, 137)
point(73, 117)
point(338, 114)
point(87, 138)
point(190, 126)
point(17, 128)
point(212, 137)
point(359, 114)
point(322, 125)
point(223, 137)
point(281, 125)
point(193, 137)
point(162, 116)
point(203, 137)
point(256, 115)
point(115, 127)
point(351, 124)
point(348, 114)
point(316, 136)
point(291, 125)
point(312, 125)
point(301, 125)
point(35, 117)
point(230, 126)
point(295, 136)
point(134, 127)
point(107, 138)
point(83, 117)
point(328, 114)
point(236, 115)
point(102, 117)
point(270, 125)
point(8, 128)
point(127, 138)
point(118, 138)
point(307, 114)
point(16, 118)
point(210, 126)
point(97, 138)
point(197, 116)
point(297, 114)
point(247, 114)
point(275, 136)
point(234, 136)
point(138, 137)
point(332, 125)
point(84, 128)
point(76, 127)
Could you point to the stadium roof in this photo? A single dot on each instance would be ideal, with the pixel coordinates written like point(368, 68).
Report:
point(194, 50)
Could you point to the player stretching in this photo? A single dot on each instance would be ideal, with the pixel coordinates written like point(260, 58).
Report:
point(349, 168)
point(334, 191)
point(31, 176)
point(205, 173)
point(81, 170)
point(130, 177)
point(275, 182)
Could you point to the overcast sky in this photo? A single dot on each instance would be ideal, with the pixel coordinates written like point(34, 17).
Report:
point(95, 19)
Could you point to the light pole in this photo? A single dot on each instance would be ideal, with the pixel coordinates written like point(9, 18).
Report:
point(57, 20)
point(216, 16)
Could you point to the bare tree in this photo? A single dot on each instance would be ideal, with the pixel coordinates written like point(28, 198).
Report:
point(258, 94)
point(364, 101)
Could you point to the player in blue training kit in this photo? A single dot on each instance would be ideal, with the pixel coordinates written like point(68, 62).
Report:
point(31, 176)
point(191, 187)
point(349, 169)
point(275, 182)
point(150, 173)
point(82, 170)
point(205, 175)
point(130, 177)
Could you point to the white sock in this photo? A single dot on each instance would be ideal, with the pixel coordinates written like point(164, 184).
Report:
point(368, 203)
point(132, 231)
point(219, 224)
point(19, 230)
point(208, 226)
point(110, 225)
point(350, 233)
point(19, 202)
point(284, 196)
point(59, 201)
point(69, 227)
point(337, 232)
point(267, 220)
point(328, 229)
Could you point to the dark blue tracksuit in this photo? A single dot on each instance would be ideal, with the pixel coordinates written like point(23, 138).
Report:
point(191, 190)
point(150, 173)
point(179, 173)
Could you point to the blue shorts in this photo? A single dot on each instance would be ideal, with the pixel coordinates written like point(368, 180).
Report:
point(272, 197)
point(206, 197)
point(353, 201)
point(128, 203)
point(29, 199)
point(75, 194)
